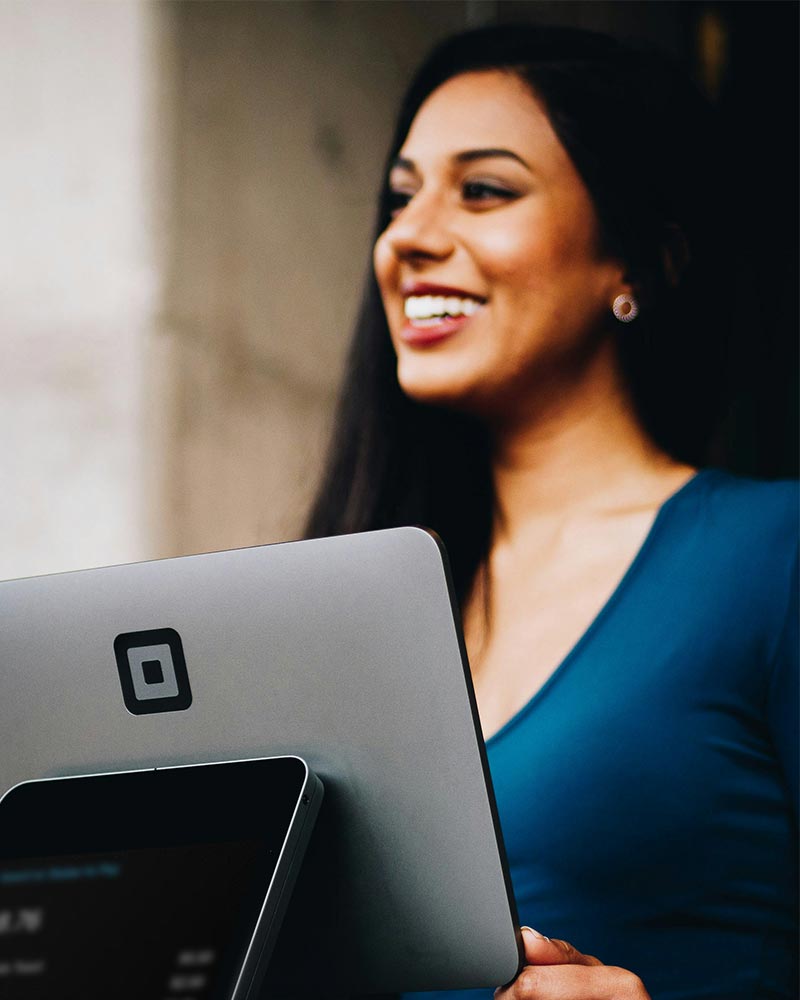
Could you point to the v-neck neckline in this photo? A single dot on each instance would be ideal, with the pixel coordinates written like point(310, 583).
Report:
point(606, 609)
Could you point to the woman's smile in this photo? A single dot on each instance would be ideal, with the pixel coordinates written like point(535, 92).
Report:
point(435, 312)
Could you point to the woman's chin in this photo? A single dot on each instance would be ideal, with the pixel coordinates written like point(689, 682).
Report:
point(448, 392)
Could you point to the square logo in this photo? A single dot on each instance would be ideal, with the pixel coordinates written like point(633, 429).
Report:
point(152, 671)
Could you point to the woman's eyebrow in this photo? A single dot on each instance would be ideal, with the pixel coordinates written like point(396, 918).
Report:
point(466, 156)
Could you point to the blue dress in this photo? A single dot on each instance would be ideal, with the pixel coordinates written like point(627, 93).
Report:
point(648, 792)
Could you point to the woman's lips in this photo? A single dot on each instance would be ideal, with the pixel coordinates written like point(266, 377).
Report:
point(434, 333)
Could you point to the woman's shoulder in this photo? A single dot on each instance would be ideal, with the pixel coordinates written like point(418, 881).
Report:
point(742, 535)
point(746, 489)
point(759, 507)
point(739, 531)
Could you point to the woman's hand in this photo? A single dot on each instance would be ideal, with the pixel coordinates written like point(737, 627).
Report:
point(555, 970)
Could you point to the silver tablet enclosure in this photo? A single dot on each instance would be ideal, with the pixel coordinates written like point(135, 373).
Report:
point(341, 650)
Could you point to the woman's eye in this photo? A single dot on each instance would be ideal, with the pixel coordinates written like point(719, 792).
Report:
point(472, 191)
point(481, 191)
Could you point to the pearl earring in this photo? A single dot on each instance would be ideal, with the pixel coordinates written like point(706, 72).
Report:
point(625, 308)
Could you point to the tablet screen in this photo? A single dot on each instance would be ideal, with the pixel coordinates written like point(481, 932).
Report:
point(139, 885)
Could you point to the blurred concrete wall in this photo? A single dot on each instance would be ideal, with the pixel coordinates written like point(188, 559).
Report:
point(78, 283)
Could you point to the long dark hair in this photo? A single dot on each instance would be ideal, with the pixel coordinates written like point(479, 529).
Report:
point(644, 143)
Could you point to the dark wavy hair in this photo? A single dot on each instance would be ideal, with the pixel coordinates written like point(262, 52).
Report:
point(645, 143)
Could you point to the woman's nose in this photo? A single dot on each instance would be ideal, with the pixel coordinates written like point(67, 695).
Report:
point(421, 230)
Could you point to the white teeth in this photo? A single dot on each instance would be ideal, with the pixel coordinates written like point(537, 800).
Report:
point(429, 306)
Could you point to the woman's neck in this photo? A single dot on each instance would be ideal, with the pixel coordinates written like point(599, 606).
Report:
point(581, 451)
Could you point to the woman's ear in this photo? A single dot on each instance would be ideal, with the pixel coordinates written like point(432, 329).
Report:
point(675, 254)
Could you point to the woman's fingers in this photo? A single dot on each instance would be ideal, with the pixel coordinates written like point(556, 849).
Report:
point(540, 950)
point(555, 970)
point(574, 982)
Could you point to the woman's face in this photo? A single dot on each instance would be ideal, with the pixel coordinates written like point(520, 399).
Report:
point(489, 269)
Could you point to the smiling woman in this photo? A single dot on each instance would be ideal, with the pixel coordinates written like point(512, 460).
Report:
point(536, 375)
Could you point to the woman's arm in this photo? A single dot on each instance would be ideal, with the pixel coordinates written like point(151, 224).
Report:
point(557, 971)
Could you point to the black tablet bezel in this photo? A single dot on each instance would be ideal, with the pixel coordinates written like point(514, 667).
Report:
point(254, 803)
point(200, 803)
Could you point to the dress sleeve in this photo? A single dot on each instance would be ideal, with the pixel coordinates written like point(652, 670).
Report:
point(783, 704)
